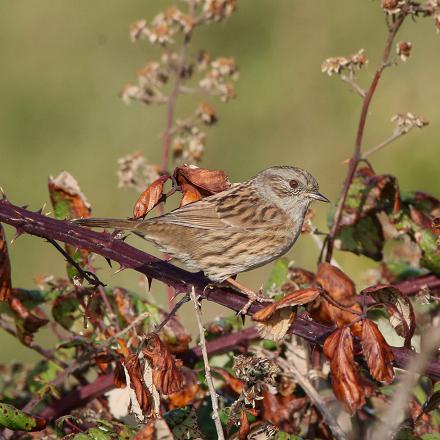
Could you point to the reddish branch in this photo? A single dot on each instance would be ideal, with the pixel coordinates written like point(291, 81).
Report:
point(127, 256)
point(354, 161)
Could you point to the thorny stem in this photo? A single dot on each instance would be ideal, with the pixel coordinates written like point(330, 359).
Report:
point(212, 392)
point(360, 131)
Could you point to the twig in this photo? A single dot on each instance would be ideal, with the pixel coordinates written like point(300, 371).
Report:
point(360, 131)
point(354, 85)
point(396, 410)
point(386, 142)
point(306, 385)
point(176, 307)
point(47, 354)
point(125, 330)
point(87, 275)
point(212, 392)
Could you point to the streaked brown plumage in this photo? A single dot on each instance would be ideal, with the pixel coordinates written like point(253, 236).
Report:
point(244, 227)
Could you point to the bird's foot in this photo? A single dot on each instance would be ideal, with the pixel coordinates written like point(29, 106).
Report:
point(253, 296)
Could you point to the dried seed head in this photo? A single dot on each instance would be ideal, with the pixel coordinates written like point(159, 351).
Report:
point(403, 49)
point(207, 113)
point(392, 6)
point(407, 121)
point(253, 369)
point(218, 10)
point(339, 64)
point(135, 172)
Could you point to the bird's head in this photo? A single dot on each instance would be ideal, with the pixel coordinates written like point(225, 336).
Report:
point(290, 188)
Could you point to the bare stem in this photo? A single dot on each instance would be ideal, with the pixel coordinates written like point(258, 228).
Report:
point(356, 157)
point(386, 142)
point(212, 392)
point(354, 85)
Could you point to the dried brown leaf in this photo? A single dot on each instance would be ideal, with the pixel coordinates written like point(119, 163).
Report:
point(67, 198)
point(190, 193)
point(209, 181)
point(244, 426)
point(377, 352)
point(189, 393)
point(119, 376)
point(150, 197)
point(124, 305)
point(5, 268)
point(143, 395)
point(236, 385)
point(296, 298)
point(399, 309)
point(167, 377)
point(276, 327)
point(338, 347)
point(336, 283)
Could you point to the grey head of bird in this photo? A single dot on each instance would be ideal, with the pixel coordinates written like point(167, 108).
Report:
point(291, 189)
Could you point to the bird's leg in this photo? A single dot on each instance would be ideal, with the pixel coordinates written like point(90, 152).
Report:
point(253, 296)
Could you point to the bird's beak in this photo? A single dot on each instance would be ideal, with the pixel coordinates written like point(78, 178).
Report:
point(318, 196)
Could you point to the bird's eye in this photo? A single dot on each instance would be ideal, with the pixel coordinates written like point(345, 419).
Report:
point(293, 184)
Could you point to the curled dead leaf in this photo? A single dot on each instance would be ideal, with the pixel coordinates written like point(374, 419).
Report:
point(236, 385)
point(208, 181)
point(244, 426)
point(119, 376)
point(143, 395)
point(167, 377)
point(342, 290)
point(399, 309)
point(338, 347)
point(336, 283)
point(275, 320)
point(150, 197)
point(5, 268)
point(189, 393)
point(377, 352)
point(296, 298)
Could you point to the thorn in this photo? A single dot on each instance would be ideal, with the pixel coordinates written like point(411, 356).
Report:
point(150, 282)
point(3, 194)
point(48, 213)
point(120, 269)
point(39, 211)
point(109, 262)
point(18, 232)
point(24, 206)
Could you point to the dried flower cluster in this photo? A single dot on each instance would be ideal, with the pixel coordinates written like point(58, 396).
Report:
point(134, 172)
point(176, 71)
point(407, 121)
point(403, 49)
point(337, 65)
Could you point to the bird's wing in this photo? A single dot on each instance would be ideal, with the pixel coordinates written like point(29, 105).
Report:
point(233, 208)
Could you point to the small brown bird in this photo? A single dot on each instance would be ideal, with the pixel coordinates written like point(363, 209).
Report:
point(244, 227)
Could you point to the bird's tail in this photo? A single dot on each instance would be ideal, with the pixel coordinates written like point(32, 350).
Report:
point(113, 223)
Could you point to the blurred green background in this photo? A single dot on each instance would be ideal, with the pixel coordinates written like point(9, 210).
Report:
point(63, 64)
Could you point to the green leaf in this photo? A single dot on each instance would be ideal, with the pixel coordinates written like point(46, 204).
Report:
point(13, 418)
point(431, 251)
point(278, 275)
point(363, 238)
point(183, 423)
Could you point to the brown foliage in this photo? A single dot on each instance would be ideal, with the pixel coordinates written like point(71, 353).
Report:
point(150, 197)
point(377, 352)
point(167, 377)
point(346, 384)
